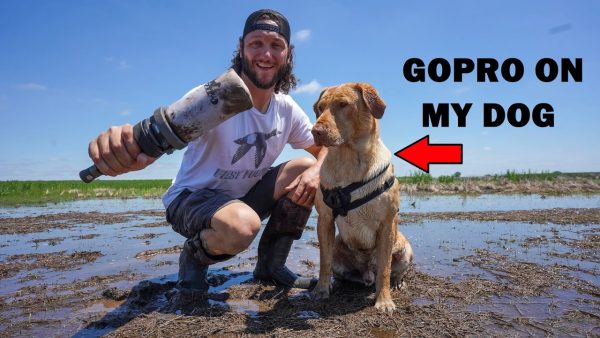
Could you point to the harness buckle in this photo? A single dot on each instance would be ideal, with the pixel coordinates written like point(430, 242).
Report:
point(338, 200)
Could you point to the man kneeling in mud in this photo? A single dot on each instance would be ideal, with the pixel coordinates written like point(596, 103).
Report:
point(226, 183)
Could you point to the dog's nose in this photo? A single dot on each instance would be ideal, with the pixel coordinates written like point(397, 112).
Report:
point(318, 130)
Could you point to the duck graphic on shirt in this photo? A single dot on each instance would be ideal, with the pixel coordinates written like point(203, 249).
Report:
point(258, 140)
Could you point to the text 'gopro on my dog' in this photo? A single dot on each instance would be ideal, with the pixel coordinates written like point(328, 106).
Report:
point(494, 114)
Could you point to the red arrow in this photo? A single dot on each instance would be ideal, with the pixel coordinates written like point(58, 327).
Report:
point(421, 154)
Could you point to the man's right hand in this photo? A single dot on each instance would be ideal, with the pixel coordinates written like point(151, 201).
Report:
point(116, 152)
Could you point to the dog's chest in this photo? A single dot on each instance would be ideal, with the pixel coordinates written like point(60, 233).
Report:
point(358, 231)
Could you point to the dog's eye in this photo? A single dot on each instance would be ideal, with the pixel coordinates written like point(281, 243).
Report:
point(342, 104)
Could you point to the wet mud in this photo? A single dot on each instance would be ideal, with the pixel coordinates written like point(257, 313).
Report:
point(554, 215)
point(484, 273)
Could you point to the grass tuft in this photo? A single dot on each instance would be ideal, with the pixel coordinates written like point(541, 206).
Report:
point(416, 177)
point(32, 192)
point(515, 177)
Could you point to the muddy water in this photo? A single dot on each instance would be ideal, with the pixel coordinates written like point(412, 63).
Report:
point(424, 203)
point(98, 205)
point(415, 202)
point(446, 242)
point(442, 248)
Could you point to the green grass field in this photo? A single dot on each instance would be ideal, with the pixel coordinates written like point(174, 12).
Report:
point(510, 182)
point(31, 192)
point(510, 175)
point(37, 192)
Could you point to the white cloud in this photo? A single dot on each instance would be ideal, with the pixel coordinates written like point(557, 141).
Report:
point(100, 101)
point(302, 35)
point(486, 148)
point(125, 112)
point(124, 65)
point(31, 86)
point(310, 88)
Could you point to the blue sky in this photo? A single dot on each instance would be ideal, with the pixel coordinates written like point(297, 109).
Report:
point(71, 69)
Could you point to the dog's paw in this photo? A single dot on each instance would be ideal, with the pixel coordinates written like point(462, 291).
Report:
point(397, 283)
point(385, 305)
point(399, 286)
point(320, 292)
point(368, 278)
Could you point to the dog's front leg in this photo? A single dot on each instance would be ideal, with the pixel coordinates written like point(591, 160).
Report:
point(326, 233)
point(385, 240)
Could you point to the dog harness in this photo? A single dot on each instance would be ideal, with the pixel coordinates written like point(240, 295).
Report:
point(339, 199)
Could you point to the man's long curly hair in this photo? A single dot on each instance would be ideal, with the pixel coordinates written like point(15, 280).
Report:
point(287, 82)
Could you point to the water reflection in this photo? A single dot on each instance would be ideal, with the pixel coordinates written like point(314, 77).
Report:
point(409, 203)
point(424, 203)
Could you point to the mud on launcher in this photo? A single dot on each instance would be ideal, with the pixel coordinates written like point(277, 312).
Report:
point(198, 111)
point(494, 114)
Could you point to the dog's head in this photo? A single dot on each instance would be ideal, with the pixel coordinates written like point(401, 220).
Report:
point(346, 114)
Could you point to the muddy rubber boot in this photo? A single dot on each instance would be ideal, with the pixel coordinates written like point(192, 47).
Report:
point(193, 265)
point(285, 225)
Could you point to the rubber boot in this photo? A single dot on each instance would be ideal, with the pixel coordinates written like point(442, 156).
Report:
point(285, 225)
point(193, 265)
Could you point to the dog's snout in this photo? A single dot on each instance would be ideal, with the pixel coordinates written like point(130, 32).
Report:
point(318, 130)
point(319, 134)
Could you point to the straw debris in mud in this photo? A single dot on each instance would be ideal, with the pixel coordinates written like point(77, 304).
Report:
point(53, 261)
point(283, 313)
point(555, 216)
point(149, 253)
point(31, 307)
point(428, 306)
point(488, 291)
point(496, 301)
point(51, 241)
point(41, 223)
point(31, 224)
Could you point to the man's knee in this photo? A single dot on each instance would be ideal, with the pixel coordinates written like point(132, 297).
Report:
point(289, 173)
point(303, 163)
point(236, 226)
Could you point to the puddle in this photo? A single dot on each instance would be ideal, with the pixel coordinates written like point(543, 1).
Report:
point(422, 203)
point(409, 203)
point(242, 306)
point(382, 333)
point(307, 315)
point(455, 250)
point(97, 205)
point(445, 242)
point(102, 306)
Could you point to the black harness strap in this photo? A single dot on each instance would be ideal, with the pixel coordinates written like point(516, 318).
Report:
point(339, 199)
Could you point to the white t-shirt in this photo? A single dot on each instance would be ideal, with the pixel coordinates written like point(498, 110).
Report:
point(235, 155)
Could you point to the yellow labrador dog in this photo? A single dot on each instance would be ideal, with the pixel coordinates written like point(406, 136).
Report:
point(359, 193)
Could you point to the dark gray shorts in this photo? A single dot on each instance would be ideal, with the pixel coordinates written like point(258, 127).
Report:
point(192, 211)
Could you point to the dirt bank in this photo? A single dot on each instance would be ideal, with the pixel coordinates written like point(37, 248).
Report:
point(563, 184)
point(555, 216)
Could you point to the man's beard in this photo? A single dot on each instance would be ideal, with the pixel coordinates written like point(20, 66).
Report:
point(247, 69)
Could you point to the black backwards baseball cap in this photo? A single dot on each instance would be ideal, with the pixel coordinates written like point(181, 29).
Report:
point(283, 26)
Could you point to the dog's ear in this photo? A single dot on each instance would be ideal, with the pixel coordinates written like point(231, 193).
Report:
point(372, 99)
point(316, 105)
